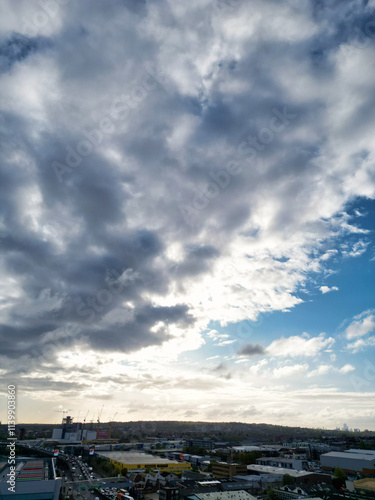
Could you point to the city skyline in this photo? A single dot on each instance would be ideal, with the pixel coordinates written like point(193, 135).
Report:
point(187, 210)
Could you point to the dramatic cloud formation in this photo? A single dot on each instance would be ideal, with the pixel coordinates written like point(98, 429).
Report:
point(174, 175)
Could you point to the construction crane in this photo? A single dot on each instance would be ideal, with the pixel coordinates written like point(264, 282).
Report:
point(99, 415)
point(84, 421)
point(110, 425)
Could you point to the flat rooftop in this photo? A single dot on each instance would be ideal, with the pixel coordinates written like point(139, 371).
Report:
point(361, 452)
point(135, 458)
point(223, 495)
point(276, 459)
point(351, 456)
point(266, 469)
point(251, 477)
point(29, 470)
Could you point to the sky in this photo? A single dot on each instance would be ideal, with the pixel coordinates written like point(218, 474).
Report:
point(187, 202)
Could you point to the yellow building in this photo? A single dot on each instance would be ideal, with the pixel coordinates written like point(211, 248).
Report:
point(135, 461)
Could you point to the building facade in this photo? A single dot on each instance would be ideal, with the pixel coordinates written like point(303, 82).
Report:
point(350, 462)
point(141, 462)
point(225, 469)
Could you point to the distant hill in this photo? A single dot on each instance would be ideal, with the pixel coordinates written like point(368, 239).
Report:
point(231, 432)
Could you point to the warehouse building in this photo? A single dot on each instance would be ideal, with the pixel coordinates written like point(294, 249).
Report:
point(300, 476)
point(135, 461)
point(350, 462)
point(285, 463)
point(361, 452)
point(222, 495)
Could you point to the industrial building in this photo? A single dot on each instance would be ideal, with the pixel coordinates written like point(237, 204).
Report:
point(350, 461)
point(278, 471)
point(225, 469)
point(33, 479)
point(222, 495)
point(286, 463)
point(139, 462)
point(300, 476)
point(361, 452)
point(207, 444)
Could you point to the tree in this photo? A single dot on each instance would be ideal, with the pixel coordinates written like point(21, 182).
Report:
point(339, 478)
point(271, 495)
point(124, 471)
point(288, 480)
point(247, 458)
point(209, 466)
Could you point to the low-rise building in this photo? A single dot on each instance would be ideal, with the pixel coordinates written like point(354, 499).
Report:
point(226, 469)
point(286, 463)
point(222, 495)
point(169, 493)
point(135, 461)
point(207, 444)
point(300, 476)
point(261, 481)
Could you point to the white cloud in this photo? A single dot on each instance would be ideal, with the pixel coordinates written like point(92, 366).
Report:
point(254, 369)
point(329, 253)
point(226, 342)
point(326, 289)
point(358, 249)
point(347, 368)
point(361, 325)
point(289, 370)
point(361, 344)
point(321, 370)
point(325, 369)
point(301, 345)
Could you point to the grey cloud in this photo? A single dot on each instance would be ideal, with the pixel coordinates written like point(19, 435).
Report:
point(251, 350)
point(15, 49)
